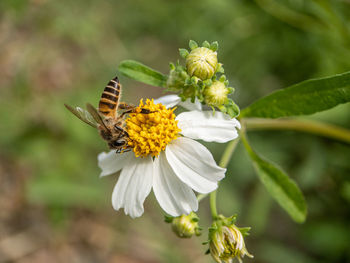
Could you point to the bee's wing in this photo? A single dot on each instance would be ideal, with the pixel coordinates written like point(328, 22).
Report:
point(84, 115)
point(94, 113)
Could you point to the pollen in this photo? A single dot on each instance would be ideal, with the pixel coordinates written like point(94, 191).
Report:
point(149, 133)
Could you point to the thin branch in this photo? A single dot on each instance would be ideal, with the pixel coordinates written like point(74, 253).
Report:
point(308, 126)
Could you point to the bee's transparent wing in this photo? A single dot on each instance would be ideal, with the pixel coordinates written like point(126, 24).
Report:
point(94, 114)
point(82, 114)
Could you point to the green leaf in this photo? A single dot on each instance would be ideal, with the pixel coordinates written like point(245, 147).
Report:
point(304, 98)
point(283, 189)
point(137, 71)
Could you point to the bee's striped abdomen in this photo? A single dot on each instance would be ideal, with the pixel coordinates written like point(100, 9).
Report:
point(110, 98)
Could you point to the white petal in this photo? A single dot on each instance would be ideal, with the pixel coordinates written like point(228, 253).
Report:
point(194, 164)
point(187, 104)
point(111, 162)
point(134, 185)
point(207, 126)
point(168, 100)
point(172, 100)
point(175, 197)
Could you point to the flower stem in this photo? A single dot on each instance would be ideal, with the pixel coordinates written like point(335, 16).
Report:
point(226, 156)
point(214, 212)
point(309, 126)
point(225, 159)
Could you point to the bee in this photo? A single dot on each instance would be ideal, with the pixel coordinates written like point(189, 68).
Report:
point(106, 119)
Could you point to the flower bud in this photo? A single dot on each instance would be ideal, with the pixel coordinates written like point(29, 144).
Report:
point(226, 242)
point(185, 226)
point(202, 63)
point(177, 78)
point(215, 95)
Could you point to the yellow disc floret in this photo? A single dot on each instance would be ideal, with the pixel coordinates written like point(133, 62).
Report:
point(149, 133)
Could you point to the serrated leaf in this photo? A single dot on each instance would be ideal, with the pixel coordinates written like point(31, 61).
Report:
point(282, 188)
point(142, 73)
point(304, 98)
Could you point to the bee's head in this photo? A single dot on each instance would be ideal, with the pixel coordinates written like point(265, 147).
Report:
point(118, 143)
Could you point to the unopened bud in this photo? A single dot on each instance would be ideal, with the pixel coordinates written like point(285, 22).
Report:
point(226, 242)
point(215, 95)
point(177, 78)
point(185, 226)
point(202, 63)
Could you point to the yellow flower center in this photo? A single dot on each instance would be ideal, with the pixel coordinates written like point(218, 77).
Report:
point(149, 133)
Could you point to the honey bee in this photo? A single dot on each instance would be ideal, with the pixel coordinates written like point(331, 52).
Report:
point(107, 120)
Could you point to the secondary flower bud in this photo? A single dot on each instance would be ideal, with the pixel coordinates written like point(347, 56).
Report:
point(216, 94)
point(185, 226)
point(177, 78)
point(202, 63)
point(226, 242)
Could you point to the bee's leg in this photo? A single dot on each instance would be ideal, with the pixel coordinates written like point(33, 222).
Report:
point(127, 112)
point(121, 150)
point(124, 106)
point(122, 131)
point(144, 111)
point(118, 128)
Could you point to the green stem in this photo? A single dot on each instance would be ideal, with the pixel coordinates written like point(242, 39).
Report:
point(308, 126)
point(226, 157)
point(214, 212)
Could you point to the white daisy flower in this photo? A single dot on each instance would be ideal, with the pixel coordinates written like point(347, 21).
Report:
point(165, 157)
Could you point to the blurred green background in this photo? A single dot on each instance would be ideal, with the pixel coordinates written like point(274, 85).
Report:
point(53, 206)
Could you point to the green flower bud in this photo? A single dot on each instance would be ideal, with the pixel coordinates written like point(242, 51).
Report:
point(177, 78)
point(215, 95)
point(202, 63)
point(185, 226)
point(226, 241)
